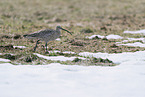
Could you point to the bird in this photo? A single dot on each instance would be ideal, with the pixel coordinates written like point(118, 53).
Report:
point(45, 35)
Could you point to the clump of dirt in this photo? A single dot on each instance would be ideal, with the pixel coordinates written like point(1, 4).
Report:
point(96, 37)
point(93, 61)
point(55, 19)
point(103, 28)
point(29, 58)
point(76, 43)
point(7, 47)
point(23, 58)
point(105, 39)
point(17, 36)
point(9, 56)
point(77, 60)
point(100, 60)
point(87, 30)
point(6, 36)
point(114, 46)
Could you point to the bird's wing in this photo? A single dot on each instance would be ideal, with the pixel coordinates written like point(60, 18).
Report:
point(45, 33)
point(40, 33)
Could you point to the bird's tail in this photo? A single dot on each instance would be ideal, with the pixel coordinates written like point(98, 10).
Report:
point(27, 36)
point(30, 36)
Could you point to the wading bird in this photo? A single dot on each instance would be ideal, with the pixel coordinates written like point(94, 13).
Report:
point(45, 35)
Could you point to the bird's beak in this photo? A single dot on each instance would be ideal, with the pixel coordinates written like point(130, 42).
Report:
point(66, 31)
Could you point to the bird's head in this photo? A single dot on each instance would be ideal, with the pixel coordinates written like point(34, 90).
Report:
point(59, 27)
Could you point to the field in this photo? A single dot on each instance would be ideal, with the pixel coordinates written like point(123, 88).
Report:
point(82, 17)
point(104, 56)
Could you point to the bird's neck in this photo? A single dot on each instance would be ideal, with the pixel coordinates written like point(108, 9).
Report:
point(58, 30)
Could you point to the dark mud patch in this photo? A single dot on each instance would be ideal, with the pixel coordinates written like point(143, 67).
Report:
point(9, 56)
point(6, 36)
point(17, 36)
point(7, 47)
point(77, 43)
point(87, 30)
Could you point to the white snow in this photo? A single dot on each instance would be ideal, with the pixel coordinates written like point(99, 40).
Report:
point(135, 44)
point(135, 32)
point(111, 36)
point(69, 52)
point(134, 39)
point(56, 80)
point(119, 58)
point(58, 39)
point(55, 51)
point(19, 46)
point(58, 58)
point(65, 52)
point(4, 60)
point(93, 36)
point(132, 44)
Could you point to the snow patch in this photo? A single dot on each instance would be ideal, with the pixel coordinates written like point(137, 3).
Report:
point(131, 39)
point(135, 32)
point(134, 39)
point(108, 37)
point(135, 44)
point(114, 37)
point(55, 51)
point(124, 80)
point(58, 39)
point(76, 81)
point(4, 60)
point(118, 58)
point(19, 46)
point(65, 52)
point(58, 58)
point(69, 52)
point(93, 36)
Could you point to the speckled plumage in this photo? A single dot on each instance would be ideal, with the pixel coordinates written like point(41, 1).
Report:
point(45, 35)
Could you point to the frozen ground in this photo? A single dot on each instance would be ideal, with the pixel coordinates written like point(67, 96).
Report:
point(54, 80)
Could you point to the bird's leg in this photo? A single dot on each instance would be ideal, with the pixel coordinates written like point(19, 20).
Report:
point(46, 47)
point(36, 45)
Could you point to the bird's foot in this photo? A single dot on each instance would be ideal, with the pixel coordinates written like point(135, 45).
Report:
point(34, 50)
point(46, 52)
